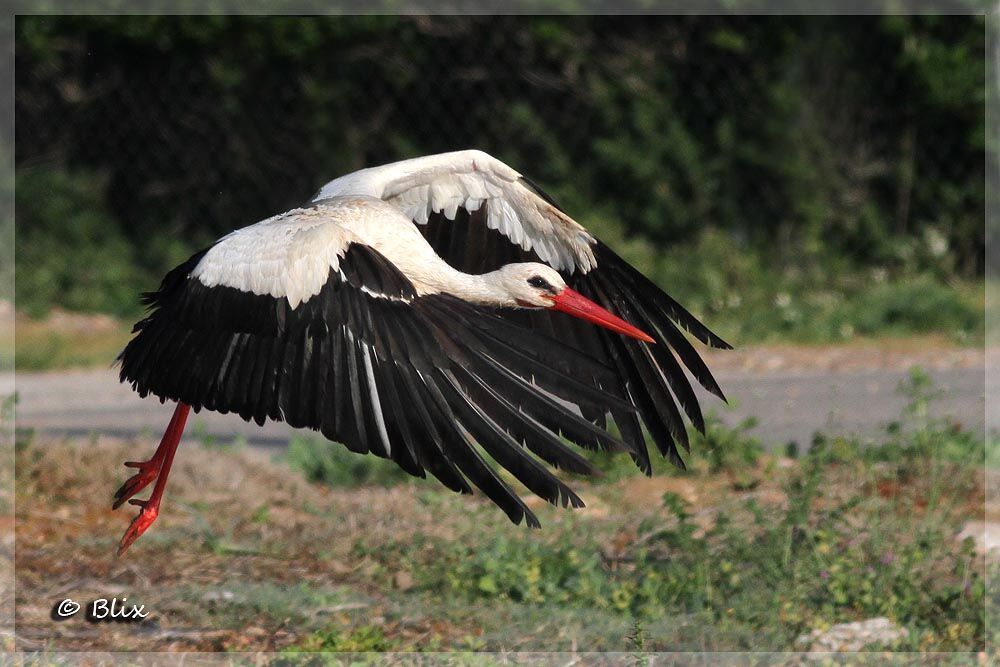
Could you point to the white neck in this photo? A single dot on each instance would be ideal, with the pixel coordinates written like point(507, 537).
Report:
point(484, 290)
point(399, 240)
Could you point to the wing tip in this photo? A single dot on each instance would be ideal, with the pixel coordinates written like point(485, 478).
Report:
point(530, 520)
point(717, 342)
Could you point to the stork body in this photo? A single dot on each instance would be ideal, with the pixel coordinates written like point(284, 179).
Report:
point(409, 311)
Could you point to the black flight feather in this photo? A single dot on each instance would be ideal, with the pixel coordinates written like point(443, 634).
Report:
point(649, 378)
point(442, 369)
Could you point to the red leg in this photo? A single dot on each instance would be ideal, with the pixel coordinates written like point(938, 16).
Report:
point(148, 470)
point(157, 468)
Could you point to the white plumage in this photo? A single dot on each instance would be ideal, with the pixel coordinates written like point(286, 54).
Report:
point(291, 254)
point(468, 179)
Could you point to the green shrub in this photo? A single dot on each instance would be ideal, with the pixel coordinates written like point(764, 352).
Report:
point(368, 638)
point(725, 448)
point(745, 296)
point(918, 305)
point(70, 251)
point(775, 203)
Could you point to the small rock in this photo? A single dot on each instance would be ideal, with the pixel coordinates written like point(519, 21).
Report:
point(215, 596)
point(853, 636)
point(402, 581)
point(986, 535)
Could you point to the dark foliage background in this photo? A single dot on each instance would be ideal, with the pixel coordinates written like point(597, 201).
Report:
point(739, 160)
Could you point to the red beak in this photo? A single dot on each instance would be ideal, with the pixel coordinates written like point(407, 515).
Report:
point(580, 306)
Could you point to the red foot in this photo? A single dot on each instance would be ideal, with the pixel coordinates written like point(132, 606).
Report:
point(143, 520)
point(148, 470)
point(156, 468)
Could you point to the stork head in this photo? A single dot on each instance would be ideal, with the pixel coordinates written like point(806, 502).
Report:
point(533, 285)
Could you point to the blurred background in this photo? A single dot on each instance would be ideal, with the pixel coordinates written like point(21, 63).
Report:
point(811, 187)
point(811, 178)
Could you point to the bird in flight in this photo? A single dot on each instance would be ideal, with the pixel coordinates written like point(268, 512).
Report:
point(435, 311)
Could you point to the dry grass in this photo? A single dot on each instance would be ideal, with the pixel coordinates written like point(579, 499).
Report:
point(229, 518)
point(247, 556)
point(66, 340)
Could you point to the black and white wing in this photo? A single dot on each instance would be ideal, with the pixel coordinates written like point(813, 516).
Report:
point(479, 214)
point(248, 327)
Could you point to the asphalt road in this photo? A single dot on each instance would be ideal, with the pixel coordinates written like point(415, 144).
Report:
point(790, 406)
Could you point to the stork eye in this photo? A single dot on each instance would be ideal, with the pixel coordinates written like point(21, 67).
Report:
point(539, 282)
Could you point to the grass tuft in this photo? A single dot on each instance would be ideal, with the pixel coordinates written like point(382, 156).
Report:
point(334, 465)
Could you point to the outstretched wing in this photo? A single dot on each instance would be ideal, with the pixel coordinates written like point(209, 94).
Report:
point(475, 181)
point(479, 214)
point(369, 363)
point(651, 377)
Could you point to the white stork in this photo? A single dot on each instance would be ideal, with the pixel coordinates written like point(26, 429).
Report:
point(409, 311)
